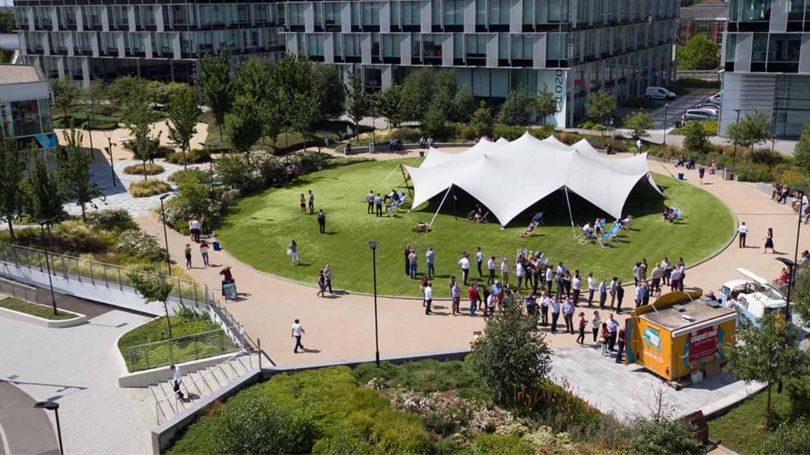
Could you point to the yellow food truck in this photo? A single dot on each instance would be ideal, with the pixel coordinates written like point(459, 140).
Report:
point(680, 333)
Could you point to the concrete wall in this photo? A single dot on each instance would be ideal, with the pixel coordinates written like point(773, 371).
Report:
point(146, 378)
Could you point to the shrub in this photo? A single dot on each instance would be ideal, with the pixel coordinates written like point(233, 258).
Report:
point(138, 244)
point(192, 157)
point(751, 172)
point(233, 171)
point(259, 426)
point(501, 444)
point(114, 220)
point(664, 437)
point(193, 172)
point(148, 188)
point(141, 169)
point(789, 437)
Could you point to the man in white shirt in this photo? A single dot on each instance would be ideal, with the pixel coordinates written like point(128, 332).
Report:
point(576, 286)
point(465, 267)
point(428, 298)
point(742, 232)
point(555, 314)
point(613, 286)
point(505, 272)
point(430, 255)
point(491, 270)
point(177, 378)
point(194, 227)
point(520, 272)
point(296, 332)
point(591, 288)
point(479, 260)
point(612, 326)
point(549, 278)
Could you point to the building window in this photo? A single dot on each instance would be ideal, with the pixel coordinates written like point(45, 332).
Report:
point(315, 45)
point(522, 47)
point(411, 13)
point(296, 13)
point(391, 45)
point(784, 48)
point(759, 51)
point(331, 13)
point(480, 12)
point(453, 12)
point(371, 13)
point(351, 46)
point(499, 12)
point(476, 46)
point(26, 118)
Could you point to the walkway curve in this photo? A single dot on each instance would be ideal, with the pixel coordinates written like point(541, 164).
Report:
point(342, 328)
point(24, 429)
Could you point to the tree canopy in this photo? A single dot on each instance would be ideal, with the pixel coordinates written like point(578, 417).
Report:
point(639, 123)
point(183, 116)
point(215, 81)
point(74, 170)
point(517, 108)
point(753, 129)
point(12, 166)
point(699, 53)
point(600, 107)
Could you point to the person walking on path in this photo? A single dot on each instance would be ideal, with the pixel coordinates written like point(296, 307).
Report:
point(455, 294)
point(297, 332)
point(194, 227)
point(428, 297)
point(769, 242)
point(430, 256)
point(412, 259)
point(311, 202)
point(378, 205)
point(204, 252)
point(555, 314)
point(321, 222)
point(327, 274)
point(582, 324)
point(491, 270)
point(568, 315)
point(321, 285)
point(620, 350)
point(177, 381)
point(187, 253)
point(292, 251)
point(742, 233)
point(638, 146)
point(619, 296)
point(464, 262)
point(479, 261)
point(370, 201)
point(613, 327)
point(596, 323)
point(303, 203)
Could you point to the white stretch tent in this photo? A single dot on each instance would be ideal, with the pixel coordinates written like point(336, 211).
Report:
point(509, 177)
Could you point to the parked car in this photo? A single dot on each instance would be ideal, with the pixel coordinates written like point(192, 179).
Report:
point(658, 93)
point(699, 114)
point(752, 298)
point(716, 98)
point(709, 106)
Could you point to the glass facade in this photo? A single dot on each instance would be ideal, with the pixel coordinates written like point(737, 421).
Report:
point(26, 118)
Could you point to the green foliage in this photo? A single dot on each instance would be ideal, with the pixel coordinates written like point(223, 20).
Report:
point(464, 104)
point(70, 237)
point(150, 287)
point(388, 104)
point(234, 172)
point(601, 106)
point(65, 94)
point(328, 90)
point(789, 437)
point(482, 122)
point(74, 172)
point(254, 78)
point(639, 123)
point(417, 93)
point(753, 129)
point(511, 356)
point(699, 53)
point(695, 138)
point(664, 437)
point(801, 298)
point(45, 195)
point(257, 426)
point(358, 103)
point(801, 152)
point(7, 23)
point(305, 113)
point(435, 122)
point(194, 156)
point(144, 169)
point(517, 108)
point(501, 444)
point(244, 124)
point(114, 220)
point(194, 173)
point(148, 188)
point(34, 309)
point(12, 166)
point(546, 104)
point(138, 116)
point(425, 376)
point(183, 116)
point(215, 81)
point(138, 244)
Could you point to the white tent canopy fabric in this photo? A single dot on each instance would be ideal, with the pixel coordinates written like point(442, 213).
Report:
point(509, 177)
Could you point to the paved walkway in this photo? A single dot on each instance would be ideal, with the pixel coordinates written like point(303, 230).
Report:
point(342, 328)
point(78, 367)
point(23, 429)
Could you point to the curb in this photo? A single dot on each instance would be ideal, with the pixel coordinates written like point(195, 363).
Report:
point(42, 322)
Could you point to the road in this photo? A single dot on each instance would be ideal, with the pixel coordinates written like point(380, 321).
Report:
point(677, 107)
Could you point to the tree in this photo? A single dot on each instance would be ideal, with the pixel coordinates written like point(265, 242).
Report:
point(801, 153)
point(74, 172)
point(435, 122)
point(261, 426)
point(93, 95)
point(65, 94)
point(789, 437)
point(753, 129)
point(388, 104)
point(768, 354)
point(695, 138)
point(600, 107)
point(357, 102)
point(244, 124)
point(511, 356)
point(517, 109)
point(153, 289)
point(329, 90)
point(699, 53)
point(417, 92)
point(215, 81)
point(45, 195)
point(138, 116)
point(305, 113)
point(639, 123)
point(7, 24)
point(481, 122)
point(464, 104)
point(254, 77)
point(122, 89)
point(183, 116)
point(273, 116)
point(546, 105)
point(800, 304)
point(12, 168)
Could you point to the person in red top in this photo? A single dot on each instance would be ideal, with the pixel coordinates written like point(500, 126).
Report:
point(472, 294)
point(226, 274)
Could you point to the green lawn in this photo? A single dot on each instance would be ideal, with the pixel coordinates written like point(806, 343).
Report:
point(260, 227)
point(35, 309)
point(181, 350)
point(742, 428)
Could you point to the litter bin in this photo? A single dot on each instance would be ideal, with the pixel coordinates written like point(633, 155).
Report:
point(729, 175)
point(422, 153)
point(217, 246)
point(680, 176)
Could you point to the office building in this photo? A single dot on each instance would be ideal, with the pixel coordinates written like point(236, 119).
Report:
point(25, 104)
point(573, 47)
point(767, 63)
point(706, 18)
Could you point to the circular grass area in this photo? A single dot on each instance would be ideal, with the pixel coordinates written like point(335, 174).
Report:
point(260, 227)
point(141, 169)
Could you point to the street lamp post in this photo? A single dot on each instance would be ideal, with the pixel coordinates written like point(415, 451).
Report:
point(666, 111)
point(795, 255)
point(108, 134)
point(165, 234)
point(734, 158)
point(53, 406)
point(373, 245)
point(42, 225)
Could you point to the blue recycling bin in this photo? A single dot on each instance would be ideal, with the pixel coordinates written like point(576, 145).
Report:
point(680, 176)
point(422, 153)
point(217, 246)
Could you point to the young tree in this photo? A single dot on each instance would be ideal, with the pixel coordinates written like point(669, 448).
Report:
point(215, 81)
point(12, 168)
point(388, 104)
point(800, 302)
point(695, 139)
point(45, 196)
point(639, 123)
point(138, 117)
point(273, 116)
point(74, 172)
point(481, 122)
point(435, 122)
point(464, 104)
point(93, 95)
point(517, 108)
point(600, 107)
point(699, 53)
point(512, 355)
point(244, 124)
point(801, 153)
point(304, 115)
point(357, 102)
point(768, 354)
point(417, 93)
point(153, 289)
point(329, 91)
point(753, 129)
point(65, 94)
point(124, 88)
point(546, 105)
point(254, 77)
point(183, 116)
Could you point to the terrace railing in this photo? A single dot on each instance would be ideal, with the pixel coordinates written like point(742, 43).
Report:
point(180, 349)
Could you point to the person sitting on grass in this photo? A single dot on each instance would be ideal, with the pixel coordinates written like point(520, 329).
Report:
point(587, 230)
point(529, 229)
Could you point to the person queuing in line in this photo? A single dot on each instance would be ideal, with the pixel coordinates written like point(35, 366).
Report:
point(370, 201)
point(613, 287)
point(430, 258)
point(545, 301)
point(596, 324)
point(602, 294)
point(576, 287)
point(568, 315)
point(479, 261)
point(505, 272)
point(605, 339)
point(455, 295)
point(583, 323)
point(464, 262)
point(492, 300)
point(549, 278)
point(473, 298)
point(613, 327)
point(621, 343)
point(531, 305)
point(520, 272)
point(619, 296)
point(491, 270)
point(555, 314)
point(591, 288)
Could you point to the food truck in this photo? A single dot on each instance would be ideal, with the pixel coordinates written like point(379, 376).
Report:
point(680, 333)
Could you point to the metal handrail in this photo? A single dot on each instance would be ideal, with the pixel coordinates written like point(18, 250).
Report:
point(185, 387)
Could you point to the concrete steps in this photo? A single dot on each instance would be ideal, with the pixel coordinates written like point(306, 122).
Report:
point(196, 385)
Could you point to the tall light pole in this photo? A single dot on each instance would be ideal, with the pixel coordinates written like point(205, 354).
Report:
point(42, 225)
point(165, 234)
point(666, 111)
point(53, 406)
point(373, 245)
point(108, 134)
point(792, 276)
point(734, 158)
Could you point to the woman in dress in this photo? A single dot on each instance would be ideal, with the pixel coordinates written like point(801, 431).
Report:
point(769, 242)
point(302, 201)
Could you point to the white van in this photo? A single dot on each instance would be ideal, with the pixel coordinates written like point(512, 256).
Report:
point(717, 98)
point(658, 93)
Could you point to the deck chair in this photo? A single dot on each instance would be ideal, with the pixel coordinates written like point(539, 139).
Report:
point(612, 232)
point(585, 237)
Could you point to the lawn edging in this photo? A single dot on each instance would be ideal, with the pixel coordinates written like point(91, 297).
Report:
point(42, 322)
point(721, 406)
point(145, 378)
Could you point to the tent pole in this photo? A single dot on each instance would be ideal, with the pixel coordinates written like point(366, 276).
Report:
point(570, 215)
point(440, 207)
